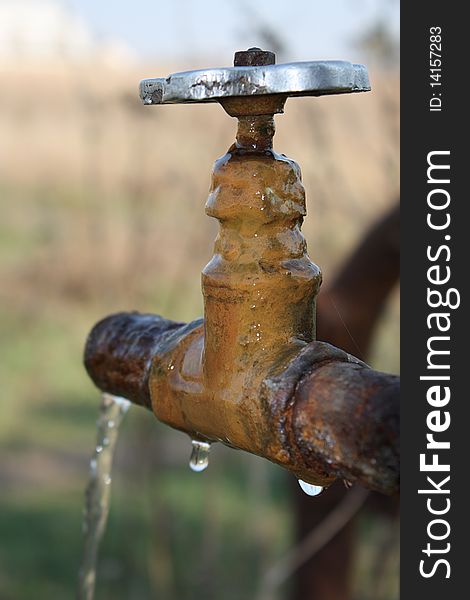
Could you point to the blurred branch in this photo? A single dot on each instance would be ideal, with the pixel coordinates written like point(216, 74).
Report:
point(312, 543)
point(267, 35)
point(385, 561)
point(379, 43)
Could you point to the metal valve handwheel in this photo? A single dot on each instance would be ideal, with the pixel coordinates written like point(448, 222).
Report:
point(255, 74)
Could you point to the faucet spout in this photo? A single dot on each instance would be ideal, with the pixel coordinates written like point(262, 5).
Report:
point(259, 287)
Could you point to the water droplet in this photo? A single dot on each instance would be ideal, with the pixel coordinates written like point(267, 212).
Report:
point(99, 449)
point(309, 488)
point(199, 456)
point(107, 479)
point(111, 424)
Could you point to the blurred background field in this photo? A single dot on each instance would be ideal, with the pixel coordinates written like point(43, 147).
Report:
point(101, 210)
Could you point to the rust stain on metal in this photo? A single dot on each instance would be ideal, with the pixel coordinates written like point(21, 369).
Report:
point(119, 352)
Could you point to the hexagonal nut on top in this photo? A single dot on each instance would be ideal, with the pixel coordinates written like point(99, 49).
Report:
point(254, 57)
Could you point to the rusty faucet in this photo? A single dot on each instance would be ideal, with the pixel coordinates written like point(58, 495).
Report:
point(250, 374)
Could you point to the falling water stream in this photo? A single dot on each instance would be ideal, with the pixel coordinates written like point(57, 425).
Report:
point(98, 491)
point(112, 411)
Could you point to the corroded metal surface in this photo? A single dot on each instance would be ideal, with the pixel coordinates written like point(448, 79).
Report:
point(119, 353)
point(346, 418)
point(253, 57)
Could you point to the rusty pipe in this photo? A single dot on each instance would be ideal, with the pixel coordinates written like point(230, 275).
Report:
point(330, 416)
point(119, 352)
point(346, 417)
